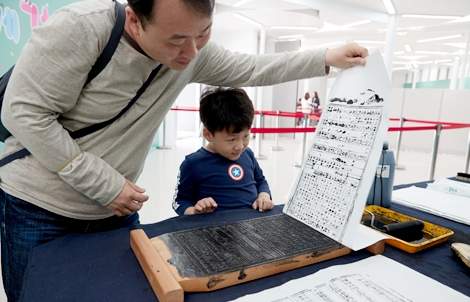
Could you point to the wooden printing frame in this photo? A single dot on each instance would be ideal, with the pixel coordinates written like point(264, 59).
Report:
point(169, 285)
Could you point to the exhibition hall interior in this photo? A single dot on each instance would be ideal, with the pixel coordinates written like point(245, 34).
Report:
point(425, 49)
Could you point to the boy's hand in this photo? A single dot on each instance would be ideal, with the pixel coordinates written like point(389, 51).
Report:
point(346, 56)
point(263, 203)
point(205, 205)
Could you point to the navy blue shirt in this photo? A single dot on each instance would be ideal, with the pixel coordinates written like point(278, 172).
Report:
point(232, 184)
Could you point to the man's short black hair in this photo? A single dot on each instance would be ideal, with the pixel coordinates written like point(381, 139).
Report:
point(228, 109)
point(144, 8)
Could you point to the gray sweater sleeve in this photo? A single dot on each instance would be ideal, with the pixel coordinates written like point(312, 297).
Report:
point(220, 67)
point(47, 81)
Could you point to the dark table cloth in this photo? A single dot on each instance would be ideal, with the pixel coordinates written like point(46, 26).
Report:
point(102, 266)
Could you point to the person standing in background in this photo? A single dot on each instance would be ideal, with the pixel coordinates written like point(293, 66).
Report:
point(306, 105)
point(316, 106)
point(298, 109)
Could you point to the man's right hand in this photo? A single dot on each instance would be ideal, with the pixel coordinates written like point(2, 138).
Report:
point(129, 201)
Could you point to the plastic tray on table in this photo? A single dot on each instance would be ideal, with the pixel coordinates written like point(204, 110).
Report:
point(432, 234)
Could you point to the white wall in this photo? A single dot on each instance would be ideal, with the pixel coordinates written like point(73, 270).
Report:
point(244, 41)
point(433, 73)
point(424, 75)
point(443, 74)
point(440, 105)
point(455, 109)
point(395, 111)
point(188, 121)
point(400, 78)
point(284, 95)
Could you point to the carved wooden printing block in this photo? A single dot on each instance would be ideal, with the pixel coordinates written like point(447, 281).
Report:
point(215, 257)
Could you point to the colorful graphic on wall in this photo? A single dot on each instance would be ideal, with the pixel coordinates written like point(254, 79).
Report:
point(17, 20)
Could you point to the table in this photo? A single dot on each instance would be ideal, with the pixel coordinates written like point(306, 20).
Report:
point(103, 267)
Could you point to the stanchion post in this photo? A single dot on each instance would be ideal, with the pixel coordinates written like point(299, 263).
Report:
point(435, 148)
point(203, 138)
point(276, 147)
point(163, 147)
point(400, 133)
point(467, 161)
point(258, 138)
point(304, 142)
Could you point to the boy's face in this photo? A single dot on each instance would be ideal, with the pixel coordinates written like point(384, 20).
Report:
point(230, 146)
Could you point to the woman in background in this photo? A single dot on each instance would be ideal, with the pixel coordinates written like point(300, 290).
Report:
point(316, 106)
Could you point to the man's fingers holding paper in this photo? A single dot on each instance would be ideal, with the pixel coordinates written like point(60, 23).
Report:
point(346, 56)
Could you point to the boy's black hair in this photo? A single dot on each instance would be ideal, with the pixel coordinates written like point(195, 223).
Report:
point(144, 8)
point(228, 109)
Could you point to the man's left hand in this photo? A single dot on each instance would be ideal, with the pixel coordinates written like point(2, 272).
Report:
point(346, 56)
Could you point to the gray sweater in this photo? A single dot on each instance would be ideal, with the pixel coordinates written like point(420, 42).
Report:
point(45, 99)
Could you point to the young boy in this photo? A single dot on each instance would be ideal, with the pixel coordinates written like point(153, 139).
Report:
point(225, 174)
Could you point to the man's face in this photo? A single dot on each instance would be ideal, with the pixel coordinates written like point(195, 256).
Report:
point(175, 34)
point(228, 145)
point(307, 96)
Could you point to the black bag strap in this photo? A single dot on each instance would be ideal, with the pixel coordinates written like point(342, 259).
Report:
point(116, 33)
point(100, 64)
point(96, 127)
point(4, 133)
point(3, 83)
point(93, 128)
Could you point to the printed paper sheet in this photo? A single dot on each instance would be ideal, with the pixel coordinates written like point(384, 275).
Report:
point(374, 279)
point(335, 179)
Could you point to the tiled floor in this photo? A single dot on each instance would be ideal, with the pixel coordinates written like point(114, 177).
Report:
point(159, 175)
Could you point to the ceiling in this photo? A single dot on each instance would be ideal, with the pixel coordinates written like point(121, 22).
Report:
point(334, 18)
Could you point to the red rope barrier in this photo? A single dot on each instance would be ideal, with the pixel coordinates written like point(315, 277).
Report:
point(182, 108)
point(392, 129)
point(316, 116)
point(282, 130)
point(436, 123)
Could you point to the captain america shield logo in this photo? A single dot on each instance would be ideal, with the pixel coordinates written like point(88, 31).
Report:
point(236, 172)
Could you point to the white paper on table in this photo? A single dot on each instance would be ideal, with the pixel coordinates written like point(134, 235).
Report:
point(365, 237)
point(331, 190)
point(448, 186)
point(374, 279)
point(450, 206)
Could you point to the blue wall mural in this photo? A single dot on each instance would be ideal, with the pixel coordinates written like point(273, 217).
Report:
point(17, 20)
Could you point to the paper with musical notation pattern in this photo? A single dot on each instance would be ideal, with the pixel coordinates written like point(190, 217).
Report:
point(331, 189)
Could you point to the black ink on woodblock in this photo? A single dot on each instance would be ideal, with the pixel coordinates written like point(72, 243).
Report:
point(236, 246)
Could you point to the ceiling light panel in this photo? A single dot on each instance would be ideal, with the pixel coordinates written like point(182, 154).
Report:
point(291, 37)
point(241, 2)
point(432, 52)
point(389, 6)
point(246, 19)
point(357, 23)
point(431, 16)
point(442, 61)
point(440, 38)
point(294, 27)
point(369, 42)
